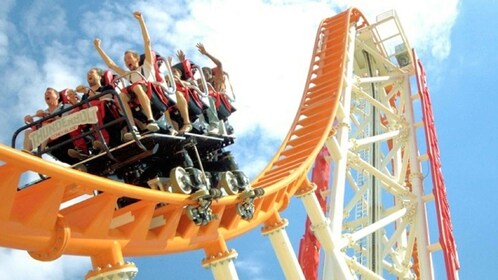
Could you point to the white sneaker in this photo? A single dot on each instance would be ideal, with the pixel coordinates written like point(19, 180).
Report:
point(213, 129)
point(152, 126)
point(129, 135)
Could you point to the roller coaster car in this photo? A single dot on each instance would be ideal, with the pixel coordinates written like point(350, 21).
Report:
point(193, 164)
point(181, 164)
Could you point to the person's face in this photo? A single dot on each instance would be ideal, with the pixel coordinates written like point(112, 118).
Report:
point(93, 77)
point(131, 61)
point(201, 86)
point(72, 97)
point(51, 97)
point(166, 79)
point(176, 73)
point(207, 74)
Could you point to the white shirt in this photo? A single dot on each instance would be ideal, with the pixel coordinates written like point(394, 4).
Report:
point(146, 70)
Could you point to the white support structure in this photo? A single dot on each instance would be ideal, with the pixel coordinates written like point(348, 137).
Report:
point(320, 225)
point(284, 251)
point(378, 223)
point(222, 265)
point(126, 272)
point(424, 255)
point(224, 271)
point(334, 264)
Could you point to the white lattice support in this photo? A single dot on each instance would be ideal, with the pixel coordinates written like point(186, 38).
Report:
point(378, 79)
point(382, 107)
point(366, 272)
point(391, 185)
point(320, 226)
point(425, 258)
point(377, 138)
point(378, 225)
point(339, 178)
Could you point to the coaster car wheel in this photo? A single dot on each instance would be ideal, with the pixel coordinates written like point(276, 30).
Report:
point(241, 179)
point(228, 182)
point(180, 180)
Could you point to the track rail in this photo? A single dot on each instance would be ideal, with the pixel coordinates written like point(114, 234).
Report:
point(35, 219)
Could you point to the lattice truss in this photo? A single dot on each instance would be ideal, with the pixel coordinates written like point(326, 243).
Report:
point(383, 216)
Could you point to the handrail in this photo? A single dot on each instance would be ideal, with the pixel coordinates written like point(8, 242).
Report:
point(59, 113)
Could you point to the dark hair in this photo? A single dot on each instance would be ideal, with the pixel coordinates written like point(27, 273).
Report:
point(178, 67)
point(100, 72)
point(56, 92)
point(186, 74)
point(208, 69)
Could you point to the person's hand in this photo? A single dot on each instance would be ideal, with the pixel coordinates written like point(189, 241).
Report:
point(28, 119)
point(96, 43)
point(180, 55)
point(201, 48)
point(40, 113)
point(72, 96)
point(81, 89)
point(137, 15)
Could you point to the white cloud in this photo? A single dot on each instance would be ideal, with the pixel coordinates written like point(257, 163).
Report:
point(252, 267)
point(261, 46)
point(42, 21)
point(61, 67)
point(4, 41)
point(23, 83)
point(5, 25)
point(17, 265)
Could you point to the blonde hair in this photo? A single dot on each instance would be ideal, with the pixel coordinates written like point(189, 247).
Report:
point(99, 71)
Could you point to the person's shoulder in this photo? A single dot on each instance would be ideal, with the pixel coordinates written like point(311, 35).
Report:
point(147, 63)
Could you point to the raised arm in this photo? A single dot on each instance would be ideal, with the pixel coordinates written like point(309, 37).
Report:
point(203, 51)
point(145, 35)
point(107, 60)
point(218, 76)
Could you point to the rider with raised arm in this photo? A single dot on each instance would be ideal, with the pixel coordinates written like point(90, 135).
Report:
point(181, 95)
point(139, 84)
point(214, 77)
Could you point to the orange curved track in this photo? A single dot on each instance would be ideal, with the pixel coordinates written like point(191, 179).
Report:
point(32, 219)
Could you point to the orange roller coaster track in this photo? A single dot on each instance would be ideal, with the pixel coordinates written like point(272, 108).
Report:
point(39, 219)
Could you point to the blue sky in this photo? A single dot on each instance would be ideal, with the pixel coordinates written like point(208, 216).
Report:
point(49, 43)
